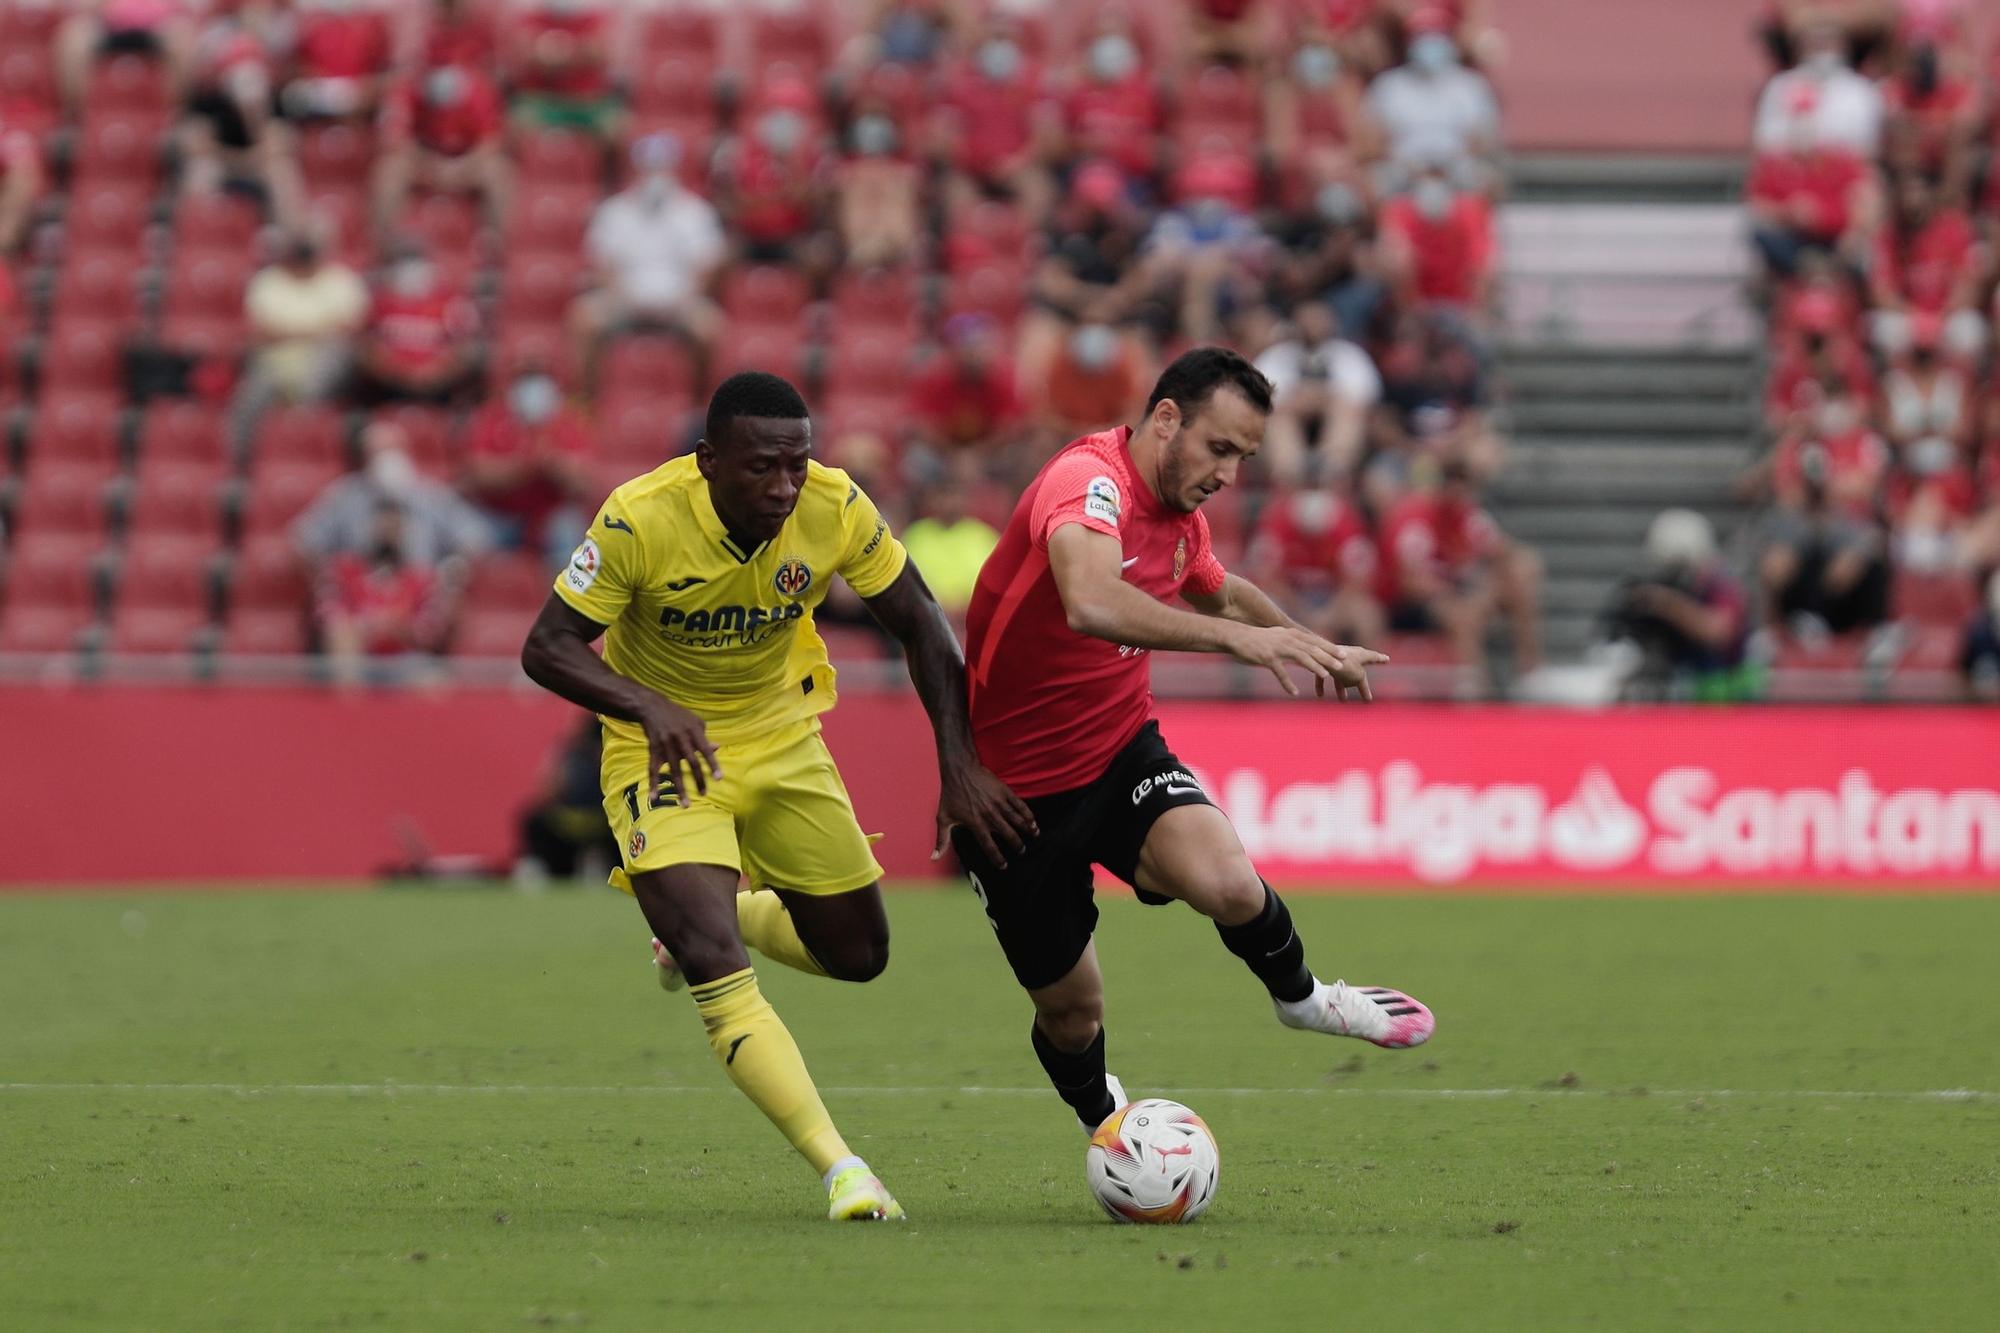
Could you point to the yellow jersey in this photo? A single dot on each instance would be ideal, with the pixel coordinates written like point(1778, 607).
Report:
point(725, 633)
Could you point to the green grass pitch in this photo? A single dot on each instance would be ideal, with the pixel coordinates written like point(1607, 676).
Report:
point(469, 1109)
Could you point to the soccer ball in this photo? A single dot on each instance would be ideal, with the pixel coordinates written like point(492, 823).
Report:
point(1153, 1161)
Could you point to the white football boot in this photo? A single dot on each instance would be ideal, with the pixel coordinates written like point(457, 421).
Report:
point(1373, 1013)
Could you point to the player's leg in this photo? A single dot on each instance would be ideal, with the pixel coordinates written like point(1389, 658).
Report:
point(846, 935)
point(1068, 1037)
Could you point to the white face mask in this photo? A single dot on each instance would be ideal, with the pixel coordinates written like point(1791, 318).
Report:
point(874, 136)
point(393, 473)
point(999, 60)
point(1113, 57)
point(445, 87)
point(1316, 66)
point(1824, 64)
point(1093, 346)
point(1432, 197)
point(780, 131)
point(1433, 52)
point(1313, 512)
point(1338, 203)
point(1932, 456)
point(1838, 417)
point(247, 83)
point(411, 277)
point(654, 190)
point(534, 398)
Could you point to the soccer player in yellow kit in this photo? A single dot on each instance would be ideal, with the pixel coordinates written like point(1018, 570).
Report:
point(702, 575)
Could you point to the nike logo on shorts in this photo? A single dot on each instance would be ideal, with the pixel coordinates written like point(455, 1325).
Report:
point(1172, 790)
point(1127, 564)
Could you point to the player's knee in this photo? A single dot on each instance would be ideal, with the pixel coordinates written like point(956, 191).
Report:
point(1228, 891)
point(705, 955)
point(860, 959)
point(1073, 1025)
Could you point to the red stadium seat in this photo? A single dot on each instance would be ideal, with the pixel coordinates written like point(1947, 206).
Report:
point(316, 435)
point(84, 359)
point(882, 416)
point(76, 430)
point(776, 348)
point(511, 583)
point(267, 575)
point(337, 156)
point(122, 146)
point(1223, 102)
point(208, 284)
point(218, 337)
point(27, 82)
point(343, 213)
point(987, 230)
point(540, 345)
point(1934, 599)
point(994, 290)
point(640, 431)
point(653, 365)
point(556, 159)
point(280, 491)
point(447, 224)
point(128, 83)
point(106, 216)
point(491, 633)
point(799, 36)
point(850, 643)
point(677, 86)
point(215, 220)
point(537, 289)
point(681, 30)
point(180, 498)
point(766, 294)
point(874, 298)
point(98, 285)
point(55, 567)
point(431, 431)
point(168, 569)
point(63, 496)
point(865, 362)
point(265, 632)
point(157, 629)
point(551, 220)
point(30, 625)
point(186, 432)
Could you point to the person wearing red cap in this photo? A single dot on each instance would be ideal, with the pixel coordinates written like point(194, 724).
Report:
point(1089, 273)
point(230, 137)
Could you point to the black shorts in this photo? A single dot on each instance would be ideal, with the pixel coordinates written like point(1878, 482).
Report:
point(1041, 905)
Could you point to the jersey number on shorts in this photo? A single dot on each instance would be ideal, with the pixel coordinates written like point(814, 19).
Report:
point(669, 795)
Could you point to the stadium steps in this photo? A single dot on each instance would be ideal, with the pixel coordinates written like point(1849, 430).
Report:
point(1631, 365)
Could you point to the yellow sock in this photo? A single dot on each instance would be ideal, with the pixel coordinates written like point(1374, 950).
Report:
point(761, 1058)
point(767, 927)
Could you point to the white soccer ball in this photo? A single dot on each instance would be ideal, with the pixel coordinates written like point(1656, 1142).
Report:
point(1153, 1161)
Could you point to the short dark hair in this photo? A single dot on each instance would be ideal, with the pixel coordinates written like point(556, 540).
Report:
point(751, 393)
point(1195, 376)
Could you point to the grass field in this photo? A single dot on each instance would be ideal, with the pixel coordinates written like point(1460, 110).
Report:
point(452, 1109)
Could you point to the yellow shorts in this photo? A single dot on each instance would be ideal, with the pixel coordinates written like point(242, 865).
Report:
point(779, 814)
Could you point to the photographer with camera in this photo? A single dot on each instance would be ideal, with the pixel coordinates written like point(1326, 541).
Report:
point(1685, 614)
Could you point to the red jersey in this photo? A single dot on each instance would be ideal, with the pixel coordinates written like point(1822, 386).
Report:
point(419, 332)
point(1314, 553)
point(1051, 707)
point(1825, 180)
point(589, 27)
point(343, 46)
point(773, 192)
point(1116, 120)
point(992, 122)
point(1447, 537)
point(1452, 252)
point(387, 602)
point(1926, 265)
point(453, 129)
point(963, 410)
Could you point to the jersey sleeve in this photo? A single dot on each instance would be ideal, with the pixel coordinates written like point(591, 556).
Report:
point(1078, 488)
point(1205, 573)
point(605, 571)
point(870, 556)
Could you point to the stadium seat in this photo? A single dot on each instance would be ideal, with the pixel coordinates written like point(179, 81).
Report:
point(639, 431)
point(279, 491)
point(151, 629)
point(121, 146)
point(106, 215)
point(187, 432)
point(675, 85)
point(765, 294)
point(862, 414)
point(866, 362)
point(28, 89)
point(776, 348)
point(343, 214)
point(218, 337)
point(207, 284)
point(168, 569)
point(316, 435)
point(511, 583)
point(798, 36)
point(1934, 599)
point(550, 220)
point(265, 632)
point(652, 365)
point(55, 567)
point(558, 159)
point(336, 156)
point(1220, 102)
point(432, 433)
point(128, 83)
point(537, 289)
point(84, 360)
point(682, 30)
point(267, 575)
point(850, 643)
point(179, 498)
point(62, 496)
point(520, 346)
point(215, 220)
point(447, 224)
point(33, 625)
point(987, 230)
point(994, 290)
point(491, 633)
point(884, 298)
point(76, 430)
point(98, 285)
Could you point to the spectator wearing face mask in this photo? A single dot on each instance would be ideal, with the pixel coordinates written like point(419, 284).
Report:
point(773, 182)
point(968, 397)
point(341, 62)
point(1926, 396)
point(303, 313)
point(1114, 110)
point(1096, 381)
point(1929, 260)
point(1821, 102)
point(1438, 247)
point(442, 131)
point(907, 32)
point(1687, 616)
point(1089, 272)
point(419, 345)
point(559, 56)
point(1204, 247)
point(1810, 199)
point(229, 137)
point(1816, 343)
point(654, 250)
point(1324, 389)
point(1316, 120)
point(1934, 110)
point(1434, 110)
point(1313, 550)
point(1328, 251)
point(527, 467)
point(437, 530)
point(877, 192)
point(994, 123)
point(1821, 568)
point(1829, 458)
point(380, 613)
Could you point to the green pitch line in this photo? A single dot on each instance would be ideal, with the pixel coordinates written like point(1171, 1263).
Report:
point(470, 1109)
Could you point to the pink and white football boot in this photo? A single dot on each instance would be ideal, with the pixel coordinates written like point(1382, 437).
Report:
point(1372, 1013)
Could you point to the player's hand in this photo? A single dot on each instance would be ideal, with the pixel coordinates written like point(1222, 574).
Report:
point(1280, 647)
point(971, 798)
point(1352, 673)
point(674, 736)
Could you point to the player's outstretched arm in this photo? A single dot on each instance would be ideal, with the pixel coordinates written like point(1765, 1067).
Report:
point(968, 795)
point(1242, 601)
point(558, 658)
point(1097, 601)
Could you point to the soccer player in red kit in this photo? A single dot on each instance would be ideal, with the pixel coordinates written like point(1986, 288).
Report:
point(1081, 587)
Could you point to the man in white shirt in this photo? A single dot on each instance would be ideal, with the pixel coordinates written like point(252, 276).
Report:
point(1820, 102)
point(303, 313)
point(1323, 388)
point(1434, 109)
point(654, 248)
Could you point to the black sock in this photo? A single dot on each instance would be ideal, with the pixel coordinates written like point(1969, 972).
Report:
point(1269, 946)
point(1079, 1078)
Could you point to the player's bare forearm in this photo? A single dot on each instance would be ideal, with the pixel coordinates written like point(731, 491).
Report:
point(1097, 601)
point(1242, 601)
point(907, 610)
point(557, 657)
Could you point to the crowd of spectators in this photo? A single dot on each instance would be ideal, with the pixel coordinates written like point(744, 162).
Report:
point(488, 256)
point(1876, 213)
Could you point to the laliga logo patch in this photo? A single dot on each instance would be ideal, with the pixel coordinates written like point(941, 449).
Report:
point(1100, 500)
point(1180, 559)
point(583, 566)
point(636, 846)
point(794, 576)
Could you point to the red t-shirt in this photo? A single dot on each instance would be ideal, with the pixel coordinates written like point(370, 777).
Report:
point(1340, 554)
point(1928, 263)
point(588, 80)
point(1428, 531)
point(1116, 120)
point(1051, 707)
point(390, 600)
point(454, 130)
point(418, 332)
point(962, 410)
point(992, 122)
point(1855, 463)
point(343, 46)
point(1933, 117)
point(1794, 383)
point(1826, 179)
point(1452, 252)
point(495, 432)
point(771, 205)
point(468, 43)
